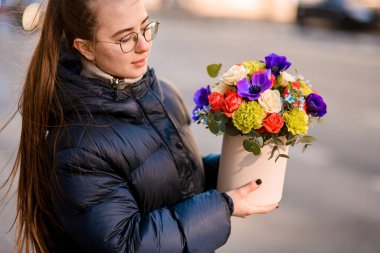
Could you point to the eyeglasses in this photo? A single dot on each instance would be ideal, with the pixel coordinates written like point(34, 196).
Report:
point(129, 42)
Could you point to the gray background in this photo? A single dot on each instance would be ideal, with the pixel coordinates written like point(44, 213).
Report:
point(332, 192)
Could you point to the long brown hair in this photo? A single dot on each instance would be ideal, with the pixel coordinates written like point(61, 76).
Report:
point(38, 183)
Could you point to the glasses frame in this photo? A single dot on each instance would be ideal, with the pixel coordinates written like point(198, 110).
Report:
point(137, 36)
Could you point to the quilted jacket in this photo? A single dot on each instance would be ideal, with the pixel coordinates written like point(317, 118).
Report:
point(130, 172)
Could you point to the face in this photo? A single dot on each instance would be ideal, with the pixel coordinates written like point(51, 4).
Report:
point(116, 19)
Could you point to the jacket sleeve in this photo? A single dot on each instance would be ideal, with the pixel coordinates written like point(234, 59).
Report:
point(211, 168)
point(98, 210)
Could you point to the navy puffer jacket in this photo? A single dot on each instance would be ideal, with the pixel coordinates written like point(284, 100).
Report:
point(130, 172)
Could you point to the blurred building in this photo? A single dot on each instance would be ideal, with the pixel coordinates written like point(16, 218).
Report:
point(365, 12)
point(277, 10)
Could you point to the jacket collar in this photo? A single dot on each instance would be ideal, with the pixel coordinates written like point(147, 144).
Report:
point(80, 94)
point(92, 71)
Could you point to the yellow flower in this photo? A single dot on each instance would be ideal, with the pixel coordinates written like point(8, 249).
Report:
point(297, 121)
point(254, 66)
point(250, 115)
point(306, 91)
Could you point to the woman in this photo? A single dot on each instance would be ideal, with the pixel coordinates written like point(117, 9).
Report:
point(107, 161)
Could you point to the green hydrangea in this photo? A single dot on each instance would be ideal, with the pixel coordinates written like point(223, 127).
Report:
point(253, 66)
point(297, 121)
point(250, 115)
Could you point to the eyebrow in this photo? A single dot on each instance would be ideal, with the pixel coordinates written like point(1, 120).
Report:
point(128, 29)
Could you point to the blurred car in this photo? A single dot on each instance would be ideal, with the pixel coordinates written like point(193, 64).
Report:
point(347, 14)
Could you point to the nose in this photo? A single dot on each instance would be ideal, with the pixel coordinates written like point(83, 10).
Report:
point(142, 44)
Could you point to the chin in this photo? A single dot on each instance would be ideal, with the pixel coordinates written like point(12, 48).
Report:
point(137, 72)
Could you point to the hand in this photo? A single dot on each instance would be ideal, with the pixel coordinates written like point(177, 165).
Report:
point(241, 207)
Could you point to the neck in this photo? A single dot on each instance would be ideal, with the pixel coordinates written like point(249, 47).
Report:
point(92, 71)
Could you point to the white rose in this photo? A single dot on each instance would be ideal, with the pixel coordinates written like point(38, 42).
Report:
point(234, 74)
point(270, 100)
point(286, 78)
point(220, 87)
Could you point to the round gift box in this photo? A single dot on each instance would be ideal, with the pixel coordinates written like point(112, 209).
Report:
point(239, 167)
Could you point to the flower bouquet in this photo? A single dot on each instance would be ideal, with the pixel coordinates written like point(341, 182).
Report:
point(261, 110)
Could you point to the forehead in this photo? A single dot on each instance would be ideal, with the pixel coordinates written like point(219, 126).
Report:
point(113, 15)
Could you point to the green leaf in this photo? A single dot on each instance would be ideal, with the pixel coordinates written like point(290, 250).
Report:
point(218, 115)
point(256, 150)
point(252, 147)
point(222, 126)
point(253, 134)
point(308, 139)
point(213, 70)
point(305, 147)
point(289, 136)
point(273, 150)
point(284, 156)
point(247, 145)
point(210, 116)
point(294, 143)
point(259, 141)
point(281, 155)
point(213, 126)
point(290, 141)
point(278, 141)
point(231, 130)
point(290, 86)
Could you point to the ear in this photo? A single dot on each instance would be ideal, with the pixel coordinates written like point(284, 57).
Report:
point(85, 47)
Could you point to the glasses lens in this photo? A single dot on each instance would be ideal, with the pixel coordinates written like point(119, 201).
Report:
point(128, 42)
point(150, 31)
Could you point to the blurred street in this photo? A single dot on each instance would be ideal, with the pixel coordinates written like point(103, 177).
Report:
point(331, 199)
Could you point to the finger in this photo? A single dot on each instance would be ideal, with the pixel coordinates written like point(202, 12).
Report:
point(250, 187)
point(265, 209)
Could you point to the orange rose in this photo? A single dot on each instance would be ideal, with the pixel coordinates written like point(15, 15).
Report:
point(273, 123)
point(296, 85)
point(216, 101)
point(231, 103)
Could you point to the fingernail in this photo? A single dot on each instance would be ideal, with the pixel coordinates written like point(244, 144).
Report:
point(259, 182)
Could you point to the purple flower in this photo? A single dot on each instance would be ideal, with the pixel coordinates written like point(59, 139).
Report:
point(276, 63)
point(252, 90)
point(315, 105)
point(201, 96)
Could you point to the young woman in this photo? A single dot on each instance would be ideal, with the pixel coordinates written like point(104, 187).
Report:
point(106, 160)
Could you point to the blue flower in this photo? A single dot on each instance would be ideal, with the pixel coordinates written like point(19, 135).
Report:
point(201, 96)
point(277, 63)
point(289, 99)
point(200, 113)
point(196, 113)
point(252, 90)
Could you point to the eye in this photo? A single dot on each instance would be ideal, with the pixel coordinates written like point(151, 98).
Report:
point(126, 38)
point(145, 25)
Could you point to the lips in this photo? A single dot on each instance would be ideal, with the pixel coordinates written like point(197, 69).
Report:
point(139, 61)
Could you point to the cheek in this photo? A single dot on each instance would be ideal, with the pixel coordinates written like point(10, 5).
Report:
point(112, 60)
point(110, 55)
